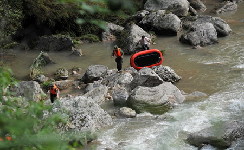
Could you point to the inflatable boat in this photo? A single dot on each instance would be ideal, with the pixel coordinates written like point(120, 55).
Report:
point(146, 58)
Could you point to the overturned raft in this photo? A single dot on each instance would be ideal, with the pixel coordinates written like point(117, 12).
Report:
point(147, 58)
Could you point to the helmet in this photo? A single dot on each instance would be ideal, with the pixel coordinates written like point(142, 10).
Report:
point(115, 47)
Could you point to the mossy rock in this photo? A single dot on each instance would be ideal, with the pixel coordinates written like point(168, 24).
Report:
point(90, 38)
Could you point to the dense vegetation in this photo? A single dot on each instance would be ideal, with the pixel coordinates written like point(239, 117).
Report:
point(28, 19)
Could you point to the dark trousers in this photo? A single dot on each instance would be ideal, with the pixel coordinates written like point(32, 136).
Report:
point(53, 97)
point(119, 61)
point(145, 47)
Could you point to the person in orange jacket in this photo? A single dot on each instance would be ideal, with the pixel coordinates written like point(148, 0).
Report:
point(119, 57)
point(54, 92)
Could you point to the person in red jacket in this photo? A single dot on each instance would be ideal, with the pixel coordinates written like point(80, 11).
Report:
point(119, 57)
point(54, 92)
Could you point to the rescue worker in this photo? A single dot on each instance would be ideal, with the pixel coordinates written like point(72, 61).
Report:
point(54, 92)
point(119, 57)
point(144, 42)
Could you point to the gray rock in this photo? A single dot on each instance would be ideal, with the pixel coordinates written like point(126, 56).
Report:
point(197, 5)
point(200, 34)
point(120, 96)
point(54, 43)
point(156, 100)
point(76, 52)
point(220, 135)
point(177, 7)
point(94, 73)
point(64, 84)
point(41, 78)
point(98, 94)
point(127, 112)
point(166, 73)
point(146, 77)
point(238, 144)
point(61, 74)
point(222, 28)
point(227, 7)
point(39, 62)
point(110, 31)
point(91, 86)
point(127, 39)
point(161, 23)
point(83, 114)
point(123, 79)
point(30, 90)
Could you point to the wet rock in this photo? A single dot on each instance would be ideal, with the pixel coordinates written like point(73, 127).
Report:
point(83, 114)
point(156, 100)
point(120, 96)
point(30, 90)
point(62, 74)
point(127, 112)
point(227, 7)
point(98, 94)
point(200, 34)
point(128, 39)
point(166, 73)
point(197, 5)
point(177, 7)
point(110, 31)
point(94, 73)
point(64, 84)
point(220, 135)
point(195, 95)
point(146, 77)
point(161, 23)
point(54, 43)
point(76, 52)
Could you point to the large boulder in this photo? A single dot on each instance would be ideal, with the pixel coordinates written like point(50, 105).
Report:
point(54, 43)
point(161, 23)
point(197, 5)
point(146, 77)
point(30, 90)
point(222, 28)
point(120, 96)
point(64, 84)
point(61, 74)
point(166, 73)
point(83, 114)
point(128, 39)
point(123, 79)
point(177, 7)
point(110, 31)
point(94, 73)
point(220, 136)
point(98, 94)
point(200, 35)
point(156, 100)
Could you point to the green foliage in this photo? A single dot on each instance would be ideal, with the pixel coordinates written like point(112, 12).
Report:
point(6, 79)
point(10, 19)
point(90, 38)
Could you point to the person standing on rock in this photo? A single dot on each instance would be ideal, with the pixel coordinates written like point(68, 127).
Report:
point(54, 92)
point(144, 42)
point(118, 53)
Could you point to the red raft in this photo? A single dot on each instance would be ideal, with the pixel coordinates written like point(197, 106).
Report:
point(146, 58)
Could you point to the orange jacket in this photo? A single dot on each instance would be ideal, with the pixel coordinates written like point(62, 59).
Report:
point(54, 90)
point(117, 52)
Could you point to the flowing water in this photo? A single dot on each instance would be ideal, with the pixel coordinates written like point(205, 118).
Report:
point(217, 70)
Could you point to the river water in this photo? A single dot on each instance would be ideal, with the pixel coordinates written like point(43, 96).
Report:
point(217, 70)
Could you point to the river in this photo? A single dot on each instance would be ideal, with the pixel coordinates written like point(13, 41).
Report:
point(217, 70)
